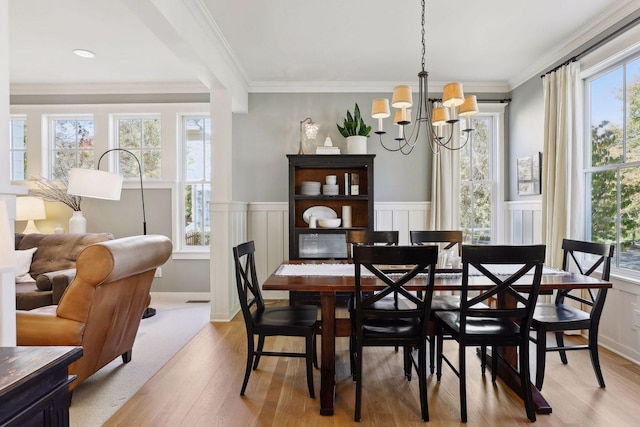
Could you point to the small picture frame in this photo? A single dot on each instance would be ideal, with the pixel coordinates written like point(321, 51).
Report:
point(529, 171)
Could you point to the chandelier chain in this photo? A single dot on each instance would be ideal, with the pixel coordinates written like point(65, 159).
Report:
point(424, 46)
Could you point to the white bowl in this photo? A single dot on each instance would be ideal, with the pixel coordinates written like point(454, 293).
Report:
point(329, 222)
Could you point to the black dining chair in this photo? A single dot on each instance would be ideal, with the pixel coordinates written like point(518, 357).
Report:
point(404, 325)
point(494, 326)
point(447, 239)
point(559, 316)
point(261, 321)
point(368, 237)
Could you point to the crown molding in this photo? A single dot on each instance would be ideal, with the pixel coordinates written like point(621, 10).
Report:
point(623, 9)
point(367, 87)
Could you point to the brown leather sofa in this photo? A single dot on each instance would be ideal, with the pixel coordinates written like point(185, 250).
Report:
point(102, 307)
point(52, 266)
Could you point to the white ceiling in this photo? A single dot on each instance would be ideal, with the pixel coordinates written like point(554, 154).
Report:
point(302, 43)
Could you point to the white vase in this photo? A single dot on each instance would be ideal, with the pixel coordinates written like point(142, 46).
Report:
point(77, 223)
point(357, 144)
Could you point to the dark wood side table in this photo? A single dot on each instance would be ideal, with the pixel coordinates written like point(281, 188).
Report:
point(34, 385)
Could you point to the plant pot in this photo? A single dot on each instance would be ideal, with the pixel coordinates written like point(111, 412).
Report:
point(357, 144)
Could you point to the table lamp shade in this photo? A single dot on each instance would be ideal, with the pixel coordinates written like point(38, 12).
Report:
point(95, 184)
point(6, 239)
point(30, 208)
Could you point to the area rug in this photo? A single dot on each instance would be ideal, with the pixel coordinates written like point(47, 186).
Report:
point(158, 339)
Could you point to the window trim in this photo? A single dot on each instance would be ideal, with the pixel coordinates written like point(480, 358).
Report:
point(12, 149)
point(47, 155)
point(497, 174)
point(604, 66)
point(115, 143)
point(181, 250)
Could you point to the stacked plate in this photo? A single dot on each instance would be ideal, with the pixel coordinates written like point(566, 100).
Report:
point(330, 189)
point(310, 188)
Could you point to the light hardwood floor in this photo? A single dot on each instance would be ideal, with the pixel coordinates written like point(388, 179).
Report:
point(200, 386)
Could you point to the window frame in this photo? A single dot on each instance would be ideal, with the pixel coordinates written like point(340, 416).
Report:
point(115, 136)
point(615, 60)
point(49, 158)
point(13, 149)
point(495, 111)
point(200, 251)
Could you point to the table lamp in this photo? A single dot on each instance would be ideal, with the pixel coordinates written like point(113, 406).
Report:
point(30, 209)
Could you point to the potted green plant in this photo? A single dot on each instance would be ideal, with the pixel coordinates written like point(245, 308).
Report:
point(356, 131)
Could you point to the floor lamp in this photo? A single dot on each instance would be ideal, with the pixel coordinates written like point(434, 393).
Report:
point(97, 184)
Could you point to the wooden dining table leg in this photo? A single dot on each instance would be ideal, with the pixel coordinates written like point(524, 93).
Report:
point(509, 377)
point(328, 353)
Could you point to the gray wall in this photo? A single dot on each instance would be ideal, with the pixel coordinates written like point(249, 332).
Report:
point(525, 130)
point(263, 137)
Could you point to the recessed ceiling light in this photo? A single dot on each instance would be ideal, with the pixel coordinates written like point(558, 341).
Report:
point(84, 53)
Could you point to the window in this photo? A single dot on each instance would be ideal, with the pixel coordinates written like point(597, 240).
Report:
point(71, 142)
point(477, 182)
point(140, 136)
point(612, 165)
point(18, 148)
point(196, 181)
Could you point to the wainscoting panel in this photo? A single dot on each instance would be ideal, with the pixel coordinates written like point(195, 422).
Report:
point(231, 217)
point(522, 223)
point(402, 216)
point(268, 228)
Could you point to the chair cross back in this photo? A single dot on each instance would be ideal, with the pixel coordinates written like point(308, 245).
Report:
point(479, 258)
point(247, 279)
point(603, 252)
point(501, 288)
point(372, 259)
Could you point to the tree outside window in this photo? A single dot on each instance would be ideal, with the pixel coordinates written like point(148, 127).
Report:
point(71, 144)
point(141, 136)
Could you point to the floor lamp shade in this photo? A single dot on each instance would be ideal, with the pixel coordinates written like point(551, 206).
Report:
point(95, 184)
point(30, 209)
point(6, 239)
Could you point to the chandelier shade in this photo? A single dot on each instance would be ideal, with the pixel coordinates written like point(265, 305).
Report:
point(440, 116)
point(402, 97)
point(452, 95)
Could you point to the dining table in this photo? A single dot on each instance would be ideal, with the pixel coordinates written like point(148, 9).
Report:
point(329, 277)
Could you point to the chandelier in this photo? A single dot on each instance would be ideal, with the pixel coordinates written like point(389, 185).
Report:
point(446, 113)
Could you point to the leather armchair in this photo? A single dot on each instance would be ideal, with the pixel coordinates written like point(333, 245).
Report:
point(102, 307)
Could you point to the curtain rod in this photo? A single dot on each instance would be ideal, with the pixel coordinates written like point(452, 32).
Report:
point(501, 101)
point(596, 45)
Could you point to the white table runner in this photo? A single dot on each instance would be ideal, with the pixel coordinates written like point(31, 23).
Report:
point(329, 269)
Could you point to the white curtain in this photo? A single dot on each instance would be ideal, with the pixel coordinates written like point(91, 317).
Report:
point(562, 178)
point(445, 186)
